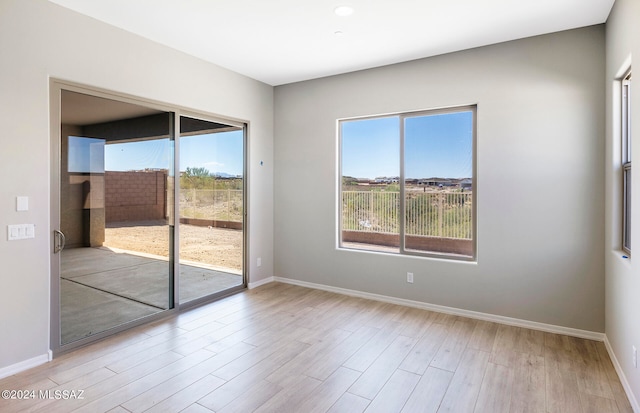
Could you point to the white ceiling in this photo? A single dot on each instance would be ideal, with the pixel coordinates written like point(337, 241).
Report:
point(284, 41)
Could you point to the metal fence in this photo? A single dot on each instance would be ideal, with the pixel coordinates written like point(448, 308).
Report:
point(215, 204)
point(435, 214)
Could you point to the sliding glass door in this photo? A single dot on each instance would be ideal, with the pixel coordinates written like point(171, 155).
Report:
point(211, 208)
point(120, 255)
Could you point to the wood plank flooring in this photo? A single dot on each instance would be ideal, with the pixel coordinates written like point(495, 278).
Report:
point(282, 348)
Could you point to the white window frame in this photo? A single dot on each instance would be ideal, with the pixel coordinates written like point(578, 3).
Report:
point(401, 213)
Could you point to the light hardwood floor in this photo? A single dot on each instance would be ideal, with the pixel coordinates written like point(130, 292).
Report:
point(282, 348)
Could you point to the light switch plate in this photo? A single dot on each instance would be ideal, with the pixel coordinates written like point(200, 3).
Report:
point(22, 203)
point(21, 231)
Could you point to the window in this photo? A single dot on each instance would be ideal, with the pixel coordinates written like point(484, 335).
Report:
point(85, 155)
point(626, 162)
point(407, 183)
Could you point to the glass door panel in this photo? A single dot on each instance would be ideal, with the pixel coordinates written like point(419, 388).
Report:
point(115, 214)
point(211, 208)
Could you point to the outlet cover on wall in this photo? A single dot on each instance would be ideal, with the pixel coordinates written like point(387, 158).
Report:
point(410, 277)
point(259, 262)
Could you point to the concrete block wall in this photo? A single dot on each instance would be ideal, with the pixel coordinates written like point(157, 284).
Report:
point(135, 196)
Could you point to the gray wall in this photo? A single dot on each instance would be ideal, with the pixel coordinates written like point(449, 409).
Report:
point(39, 40)
point(540, 178)
point(622, 275)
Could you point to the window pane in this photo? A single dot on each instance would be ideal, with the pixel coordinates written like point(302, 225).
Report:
point(627, 210)
point(438, 171)
point(211, 208)
point(115, 209)
point(626, 136)
point(370, 167)
point(86, 155)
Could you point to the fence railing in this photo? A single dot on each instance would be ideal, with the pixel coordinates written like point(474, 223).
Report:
point(435, 214)
point(214, 204)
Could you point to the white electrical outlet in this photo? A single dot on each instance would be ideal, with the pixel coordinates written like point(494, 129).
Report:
point(410, 277)
point(259, 263)
point(635, 357)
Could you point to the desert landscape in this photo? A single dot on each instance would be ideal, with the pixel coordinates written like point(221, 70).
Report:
point(218, 247)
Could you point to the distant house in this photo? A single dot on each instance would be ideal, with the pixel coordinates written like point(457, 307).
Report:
point(387, 180)
point(436, 182)
point(466, 183)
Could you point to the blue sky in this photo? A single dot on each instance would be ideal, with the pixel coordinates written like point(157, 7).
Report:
point(134, 156)
point(371, 147)
point(438, 145)
point(217, 152)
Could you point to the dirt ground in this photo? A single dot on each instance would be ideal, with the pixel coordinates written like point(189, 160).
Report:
point(214, 246)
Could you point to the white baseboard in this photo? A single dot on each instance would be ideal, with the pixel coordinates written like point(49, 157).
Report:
point(260, 282)
point(25, 365)
point(550, 328)
point(623, 379)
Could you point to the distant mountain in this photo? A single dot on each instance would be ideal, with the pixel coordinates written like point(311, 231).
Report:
point(222, 175)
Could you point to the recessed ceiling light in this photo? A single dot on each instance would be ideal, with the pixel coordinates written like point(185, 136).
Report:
point(343, 11)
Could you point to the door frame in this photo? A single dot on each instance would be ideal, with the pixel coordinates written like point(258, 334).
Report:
point(56, 86)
